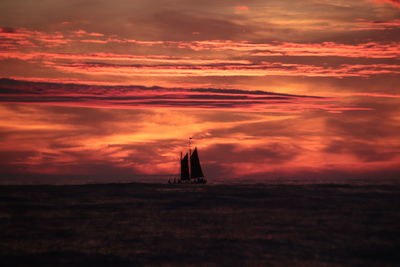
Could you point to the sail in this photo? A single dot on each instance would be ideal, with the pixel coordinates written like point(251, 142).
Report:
point(185, 168)
point(195, 167)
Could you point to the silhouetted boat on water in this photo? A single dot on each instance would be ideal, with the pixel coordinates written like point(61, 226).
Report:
point(191, 172)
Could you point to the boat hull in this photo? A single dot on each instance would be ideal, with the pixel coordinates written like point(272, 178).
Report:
point(192, 181)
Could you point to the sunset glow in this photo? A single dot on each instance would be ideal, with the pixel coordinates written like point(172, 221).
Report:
point(110, 91)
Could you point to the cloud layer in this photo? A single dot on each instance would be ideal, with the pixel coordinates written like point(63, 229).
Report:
point(267, 89)
point(157, 97)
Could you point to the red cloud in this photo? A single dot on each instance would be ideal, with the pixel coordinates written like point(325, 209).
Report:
point(367, 50)
point(118, 57)
point(262, 69)
point(241, 9)
point(82, 33)
point(19, 38)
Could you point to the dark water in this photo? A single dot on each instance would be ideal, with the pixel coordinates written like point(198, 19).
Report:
point(212, 225)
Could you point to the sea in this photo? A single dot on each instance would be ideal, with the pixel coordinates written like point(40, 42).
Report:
point(218, 224)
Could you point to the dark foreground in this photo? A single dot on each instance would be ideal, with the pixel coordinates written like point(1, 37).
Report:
point(213, 225)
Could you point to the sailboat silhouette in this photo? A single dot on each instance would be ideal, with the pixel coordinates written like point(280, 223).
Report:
point(191, 171)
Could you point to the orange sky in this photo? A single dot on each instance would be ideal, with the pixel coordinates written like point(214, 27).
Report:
point(110, 91)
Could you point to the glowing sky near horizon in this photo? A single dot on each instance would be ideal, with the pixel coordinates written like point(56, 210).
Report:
point(104, 91)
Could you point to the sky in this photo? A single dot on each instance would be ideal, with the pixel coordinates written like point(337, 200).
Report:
point(110, 91)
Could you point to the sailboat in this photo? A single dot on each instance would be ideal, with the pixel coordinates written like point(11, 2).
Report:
point(191, 171)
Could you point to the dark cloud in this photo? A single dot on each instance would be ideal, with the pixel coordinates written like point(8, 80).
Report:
point(283, 127)
point(13, 163)
point(7, 30)
point(75, 164)
point(179, 26)
point(367, 152)
point(272, 153)
point(360, 36)
point(222, 160)
point(139, 96)
point(329, 175)
point(395, 3)
point(12, 156)
point(369, 126)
